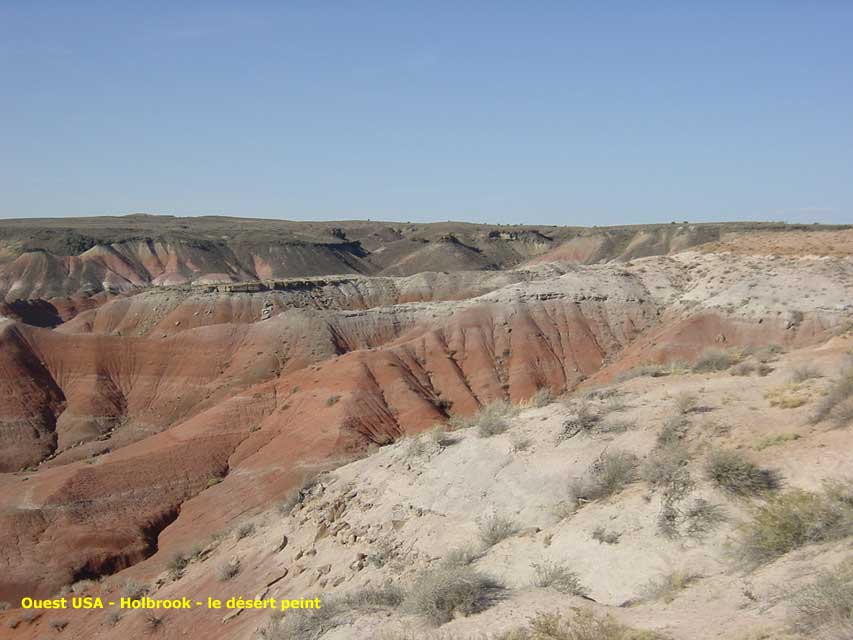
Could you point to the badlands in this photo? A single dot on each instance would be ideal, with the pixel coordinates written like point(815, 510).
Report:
point(440, 431)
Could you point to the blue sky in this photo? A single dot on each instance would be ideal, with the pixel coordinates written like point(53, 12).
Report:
point(536, 112)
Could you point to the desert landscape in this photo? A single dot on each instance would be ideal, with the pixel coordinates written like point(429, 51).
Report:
point(442, 431)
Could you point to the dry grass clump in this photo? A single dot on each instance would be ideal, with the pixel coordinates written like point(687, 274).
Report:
point(714, 360)
point(440, 594)
point(153, 621)
point(674, 430)
point(743, 369)
point(311, 624)
point(674, 368)
point(737, 476)
point(58, 624)
point(495, 528)
point(441, 437)
point(685, 402)
point(585, 420)
point(787, 396)
point(772, 441)
point(490, 420)
point(461, 557)
point(824, 608)
point(550, 575)
point(668, 586)
point(542, 398)
point(177, 563)
point(520, 442)
point(838, 403)
point(797, 518)
point(607, 476)
point(298, 495)
point(581, 624)
point(227, 570)
point(245, 530)
point(134, 590)
point(805, 372)
point(604, 536)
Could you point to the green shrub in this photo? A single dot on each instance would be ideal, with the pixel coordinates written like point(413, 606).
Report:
point(737, 476)
point(797, 518)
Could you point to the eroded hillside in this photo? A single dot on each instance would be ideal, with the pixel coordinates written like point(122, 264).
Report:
point(157, 416)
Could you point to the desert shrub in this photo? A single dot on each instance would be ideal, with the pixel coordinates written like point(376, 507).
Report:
point(668, 586)
point(332, 400)
point(737, 476)
point(674, 368)
point(685, 402)
point(826, 604)
point(492, 419)
point(583, 624)
point(743, 369)
point(794, 519)
point(134, 590)
point(245, 530)
point(772, 441)
point(838, 403)
point(58, 624)
point(607, 476)
point(805, 372)
point(604, 536)
point(584, 421)
point(439, 436)
point(764, 370)
point(153, 621)
point(311, 624)
point(177, 563)
point(495, 528)
point(563, 510)
point(702, 517)
point(714, 360)
point(664, 464)
point(416, 447)
point(388, 595)
point(461, 557)
point(112, 618)
point(520, 442)
point(787, 396)
point(227, 570)
point(439, 594)
point(615, 426)
point(542, 398)
point(298, 495)
point(673, 431)
point(550, 575)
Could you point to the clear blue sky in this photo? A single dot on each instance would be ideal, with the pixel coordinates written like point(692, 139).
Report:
point(539, 112)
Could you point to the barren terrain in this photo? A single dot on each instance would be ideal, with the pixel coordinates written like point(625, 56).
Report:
point(352, 410)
